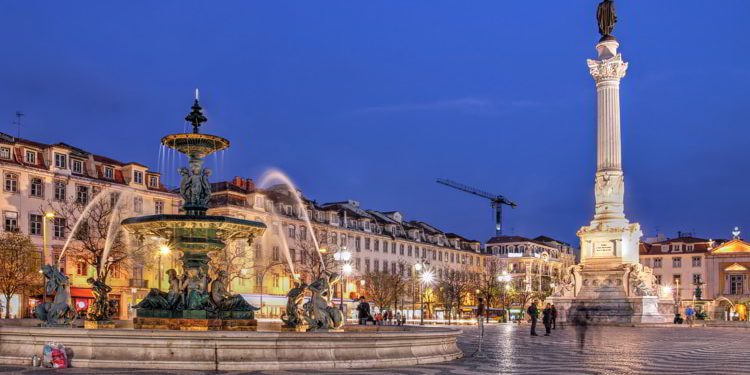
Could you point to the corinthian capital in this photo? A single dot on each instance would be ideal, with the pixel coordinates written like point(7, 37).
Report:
point(608, 69)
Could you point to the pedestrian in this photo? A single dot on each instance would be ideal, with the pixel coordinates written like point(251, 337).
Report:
point(363, 311)
point(389, 315)
point(481, 312)
point(690, 315)
point(403, 319)
point(533, 315)
point(398, 318)
point(379, 319)
point(581, 321)
point(547, 319)
point(554, 317)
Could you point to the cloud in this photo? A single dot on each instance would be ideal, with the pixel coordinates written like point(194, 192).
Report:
point(469, 105)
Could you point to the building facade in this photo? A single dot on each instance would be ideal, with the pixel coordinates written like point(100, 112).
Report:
point(679, 263)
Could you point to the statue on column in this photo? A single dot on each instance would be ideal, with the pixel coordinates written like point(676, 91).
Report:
point(606, 18)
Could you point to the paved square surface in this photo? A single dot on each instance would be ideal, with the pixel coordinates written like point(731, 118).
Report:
point(608, 350)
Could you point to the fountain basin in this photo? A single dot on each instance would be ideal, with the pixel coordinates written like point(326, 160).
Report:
point(357, 347)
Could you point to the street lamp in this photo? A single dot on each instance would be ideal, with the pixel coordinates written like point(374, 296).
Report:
point(425, 277)
point(47, 216)
point(342, 257)
point(163, 250)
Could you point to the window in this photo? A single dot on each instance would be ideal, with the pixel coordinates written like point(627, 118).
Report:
point(409, 250)
point(735, 284)
point(138, 177)
point(658, 279)
point(81, 268)
point(367, 244)
point(59, 227)
point(657, 262)
point(11, 221)
point(109, 173)
point(358, 243)
point(696, 261)
point(153, 181)
point(393, 248)
point(677, 280)
point(158, 207)
point(138, 204)
point(60, 190)
point(61, 160)
point(677, 248)
point(696, 279)
point(82, 194)
point(292, 231)
point(356, 263)
point(11, 182)
point(37, 187)
point(376, 265)
point(275, 280)
point(401, 249)
point(676, 262)
point(35, 224)
point(302, 233)
point(77, 166)
point(689, 247)
point(30, 157)
point(275, 253)
point(377, 245)
point(5, 152)
point(343, 240)
point(367, 265)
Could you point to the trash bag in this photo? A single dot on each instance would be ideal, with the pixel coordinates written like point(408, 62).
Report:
point(54, 356)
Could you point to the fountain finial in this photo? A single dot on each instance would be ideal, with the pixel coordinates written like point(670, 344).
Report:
point(196, 116)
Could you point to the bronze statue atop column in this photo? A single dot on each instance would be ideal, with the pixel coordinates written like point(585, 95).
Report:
point(606, 18)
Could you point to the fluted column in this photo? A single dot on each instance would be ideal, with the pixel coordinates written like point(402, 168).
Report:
point(609, 186)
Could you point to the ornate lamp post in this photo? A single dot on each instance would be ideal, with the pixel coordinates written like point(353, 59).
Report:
point(342, 257)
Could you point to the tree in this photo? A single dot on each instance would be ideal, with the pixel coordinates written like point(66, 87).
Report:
point(19, 265)
point(236, 260)
point(309, 261)
point(489, 286)
point(91, 236)
point(452, 291)
point(379, 287)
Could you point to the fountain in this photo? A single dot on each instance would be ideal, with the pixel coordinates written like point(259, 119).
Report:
point(195, 301)
point(176, 329)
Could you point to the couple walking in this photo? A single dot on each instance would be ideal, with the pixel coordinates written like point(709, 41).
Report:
point(549, 318)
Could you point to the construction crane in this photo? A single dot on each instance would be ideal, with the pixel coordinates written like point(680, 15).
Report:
point(496, 200)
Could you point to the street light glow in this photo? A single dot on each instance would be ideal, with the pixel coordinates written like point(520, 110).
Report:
point(347, 268)
point(49, 215)
point(427, 277)
point(164, 249)
point(418, 267)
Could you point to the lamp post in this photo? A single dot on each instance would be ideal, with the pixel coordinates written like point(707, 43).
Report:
point(342, 257)
point(504, 279)
point(425, 277)
point(163, 250)
point(47, 216)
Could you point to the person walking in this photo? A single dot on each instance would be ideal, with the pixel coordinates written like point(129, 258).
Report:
point(690, 315)
point(554, 317)
point(398, 318)
point(547, 319)
point(533, 315)
point(363, 311)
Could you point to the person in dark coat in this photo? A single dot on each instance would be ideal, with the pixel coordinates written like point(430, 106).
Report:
point(547, 319)
point(363, 311)
point(554, 317)
point(533, 315)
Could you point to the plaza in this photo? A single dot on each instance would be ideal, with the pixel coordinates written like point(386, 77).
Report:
point(510, 350)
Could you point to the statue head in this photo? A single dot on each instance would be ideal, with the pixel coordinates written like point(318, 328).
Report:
point(195, 167)
point(90, 280)
point(171, 273)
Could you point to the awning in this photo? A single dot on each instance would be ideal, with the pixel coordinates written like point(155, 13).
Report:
point(81, 292)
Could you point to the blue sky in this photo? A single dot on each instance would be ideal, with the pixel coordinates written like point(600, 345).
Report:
point(374, 100)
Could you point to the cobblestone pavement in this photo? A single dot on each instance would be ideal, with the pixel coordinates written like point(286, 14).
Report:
point(511, 350)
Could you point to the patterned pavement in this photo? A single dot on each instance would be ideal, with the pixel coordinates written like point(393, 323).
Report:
point(511, 350)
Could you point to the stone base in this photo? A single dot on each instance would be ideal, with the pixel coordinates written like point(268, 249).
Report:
point(628, 310)
point(93, 324)
point(196, 324)
point(302, 328)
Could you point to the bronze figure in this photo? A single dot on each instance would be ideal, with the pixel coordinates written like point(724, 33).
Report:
point(606, 18)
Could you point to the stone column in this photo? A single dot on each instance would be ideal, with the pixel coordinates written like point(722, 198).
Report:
point(609, 186)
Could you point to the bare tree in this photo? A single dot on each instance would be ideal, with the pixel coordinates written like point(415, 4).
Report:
point(379, 288)
point(91, 235)
point(489, 285)
point(237, 260)
point(19, 264)
point(452, 291)
point(309, 261)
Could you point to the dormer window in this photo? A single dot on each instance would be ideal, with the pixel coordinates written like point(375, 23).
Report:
point(5, 152)
point(138, 177)
point(30, 157)
point(61, 161)
point(153, 181)
point(76, 166)
point(109, 173)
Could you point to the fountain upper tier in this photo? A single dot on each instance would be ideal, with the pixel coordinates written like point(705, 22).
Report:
point(195, 144)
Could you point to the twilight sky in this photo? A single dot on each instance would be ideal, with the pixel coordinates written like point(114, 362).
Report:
point(374, 100)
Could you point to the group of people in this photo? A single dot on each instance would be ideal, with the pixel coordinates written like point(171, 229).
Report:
point(380, 318)
point(549, 318)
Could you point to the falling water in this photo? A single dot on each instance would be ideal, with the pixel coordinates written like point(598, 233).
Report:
point(284, 244)
point(279, 176)
point(84, 214)
point(112, 228)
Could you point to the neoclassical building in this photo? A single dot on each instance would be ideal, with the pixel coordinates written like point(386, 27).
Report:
point(37, 176)
point(534, 264)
